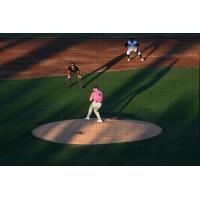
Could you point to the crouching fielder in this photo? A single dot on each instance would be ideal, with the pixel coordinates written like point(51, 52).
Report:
point(71, 70)
point(96, 98)
point(133, 45)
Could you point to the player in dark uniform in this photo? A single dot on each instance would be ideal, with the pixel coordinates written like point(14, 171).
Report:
point(72, 69)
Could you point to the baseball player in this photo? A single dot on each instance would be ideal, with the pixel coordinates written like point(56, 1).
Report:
point(133, 45)
point(71, 70)
point(96, 98)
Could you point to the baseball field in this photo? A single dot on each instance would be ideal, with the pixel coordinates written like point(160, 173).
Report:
point(163, 90)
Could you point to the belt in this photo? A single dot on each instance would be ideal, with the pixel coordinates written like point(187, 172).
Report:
point(98, 102)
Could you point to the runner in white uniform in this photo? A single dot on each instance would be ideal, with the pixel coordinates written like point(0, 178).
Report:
point(133, 45)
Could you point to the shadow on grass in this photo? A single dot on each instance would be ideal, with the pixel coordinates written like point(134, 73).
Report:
point(173, 147)
point(102, 69)
point(157, 77)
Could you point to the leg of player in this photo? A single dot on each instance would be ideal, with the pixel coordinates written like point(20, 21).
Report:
point(79, 81)
point(89, 112)
point(140, 55)
point(128, 54)
point(96, 108)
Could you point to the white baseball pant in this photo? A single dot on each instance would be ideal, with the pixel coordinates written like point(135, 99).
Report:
point(135, 49)
point(94, 106)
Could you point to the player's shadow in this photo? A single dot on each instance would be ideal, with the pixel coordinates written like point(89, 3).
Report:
point(104, 68)
point(127, 99)
point(101, 69)
point(152, 47)
point(155, 47)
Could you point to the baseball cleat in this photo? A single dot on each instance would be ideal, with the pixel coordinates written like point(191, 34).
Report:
point(99, 121)
point(142, 59)
point(129, 60)
point(87, 118)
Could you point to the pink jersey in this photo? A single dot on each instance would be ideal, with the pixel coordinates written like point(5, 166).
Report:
point(97, 96)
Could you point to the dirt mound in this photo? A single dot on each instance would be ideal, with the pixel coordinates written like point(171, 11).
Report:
point(80, 131)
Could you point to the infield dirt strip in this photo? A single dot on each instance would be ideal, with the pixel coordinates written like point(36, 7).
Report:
point(35, 57)
point(80, 131)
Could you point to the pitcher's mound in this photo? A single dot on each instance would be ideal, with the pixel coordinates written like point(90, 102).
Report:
point(80, 131)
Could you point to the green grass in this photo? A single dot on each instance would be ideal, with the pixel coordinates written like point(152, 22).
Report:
point(168, 97)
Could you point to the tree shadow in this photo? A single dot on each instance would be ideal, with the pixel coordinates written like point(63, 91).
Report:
point(36, 56)
point(20, 92)
point(14, 43)
point(127, 99)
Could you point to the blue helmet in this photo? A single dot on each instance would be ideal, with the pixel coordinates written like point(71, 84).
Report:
point(132, 39)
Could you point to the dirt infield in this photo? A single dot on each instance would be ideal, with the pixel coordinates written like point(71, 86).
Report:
point(80, 131)
point(33, 57)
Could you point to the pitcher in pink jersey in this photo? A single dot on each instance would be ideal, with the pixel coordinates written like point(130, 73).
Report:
point(96, 98)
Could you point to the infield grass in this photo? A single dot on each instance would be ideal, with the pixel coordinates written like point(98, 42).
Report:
point(168, 97)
